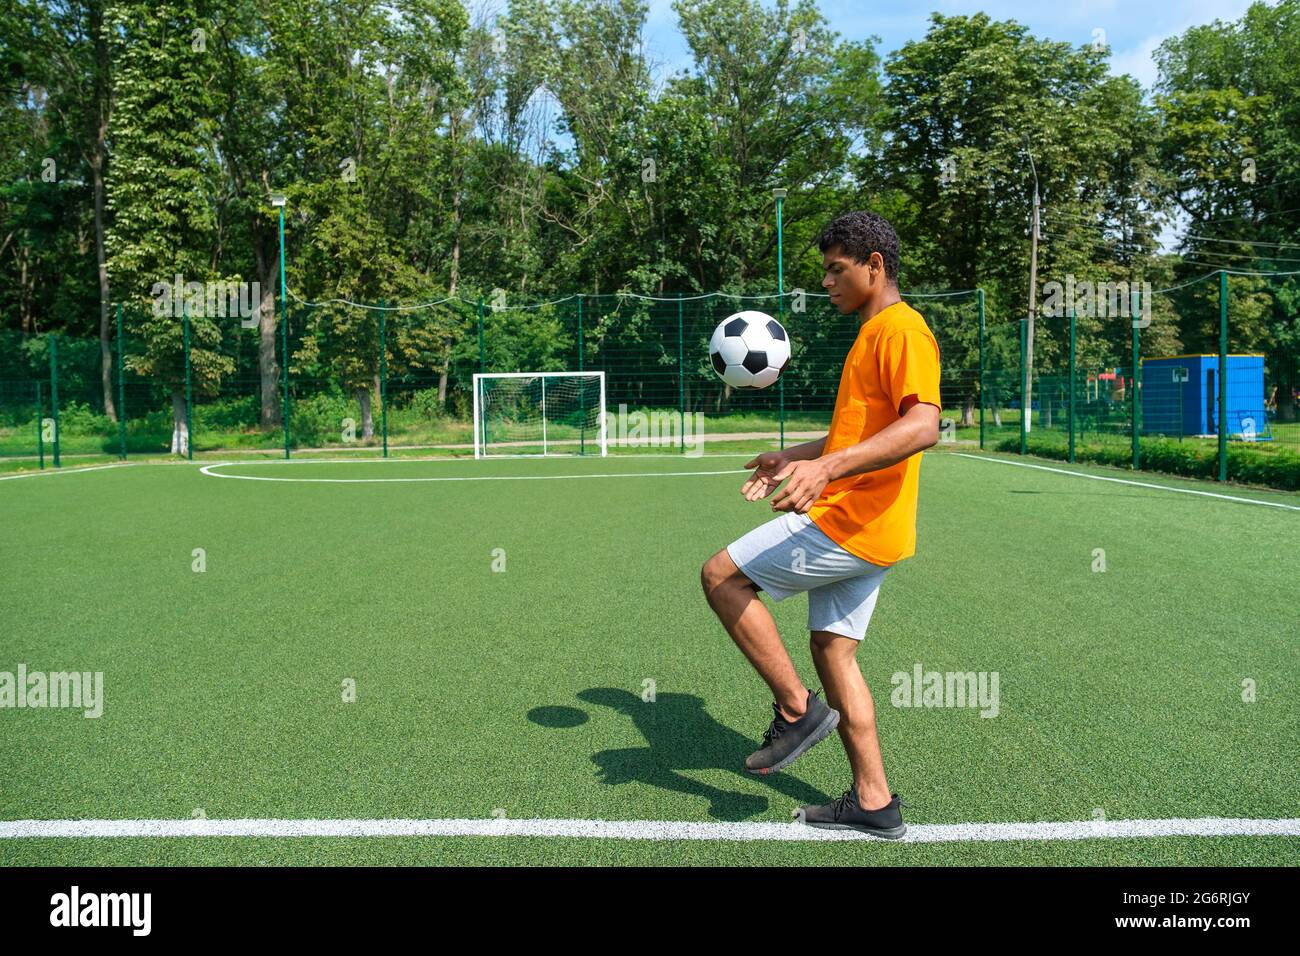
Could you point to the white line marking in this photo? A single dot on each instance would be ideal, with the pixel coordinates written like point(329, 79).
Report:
point(459, 459)
point(1128, 481)
point(644, 829)
point(363, 481)
point(64, 471)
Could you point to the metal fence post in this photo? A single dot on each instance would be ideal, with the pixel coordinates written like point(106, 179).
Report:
point(40, 434)
point(121, 390)
point(482, 362)
point(979, 299)
point(1024, 386)
point(681, 381)
point(1223, 375)
point(1074, 351)
point(189, 427)
point(1133, 409)
point(54, 393)
point(582, 395)
point(383, 372)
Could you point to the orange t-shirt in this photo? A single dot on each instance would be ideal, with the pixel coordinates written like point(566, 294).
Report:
point(873, 515)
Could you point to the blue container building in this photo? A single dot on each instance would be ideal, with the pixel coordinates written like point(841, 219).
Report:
point(1180, 396)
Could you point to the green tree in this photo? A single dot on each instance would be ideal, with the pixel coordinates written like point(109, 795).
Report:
point(967, 107)
point(158, 189)
point(1231, 137)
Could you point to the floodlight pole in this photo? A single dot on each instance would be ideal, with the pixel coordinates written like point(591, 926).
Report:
point(780, 195)
point(278, 200)
point(1027, 386)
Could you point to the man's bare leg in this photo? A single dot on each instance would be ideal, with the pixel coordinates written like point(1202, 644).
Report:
point(735, 600)
point(835, 657)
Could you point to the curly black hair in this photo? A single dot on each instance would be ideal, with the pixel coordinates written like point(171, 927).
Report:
point(860, 234)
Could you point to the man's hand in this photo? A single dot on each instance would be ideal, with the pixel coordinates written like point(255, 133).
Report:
point(807, 480)
point(766, 477)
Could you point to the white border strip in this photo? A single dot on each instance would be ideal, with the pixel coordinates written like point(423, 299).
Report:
point(643, 829)
point(64, 471)
point(1128, 481)
point(368, 481)
point(307, 459)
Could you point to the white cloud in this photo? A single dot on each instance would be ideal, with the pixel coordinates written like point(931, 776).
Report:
point(1139, 62)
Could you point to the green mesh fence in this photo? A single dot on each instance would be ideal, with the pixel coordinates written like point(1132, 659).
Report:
point(1145, 389)
point(1081, 391)
point(21, 412)
point(384, 378)
point(1001, 385)
point(50, 395)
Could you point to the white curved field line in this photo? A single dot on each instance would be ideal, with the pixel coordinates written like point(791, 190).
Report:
point(1129, 481)
point(207, 470)
point(646, 829)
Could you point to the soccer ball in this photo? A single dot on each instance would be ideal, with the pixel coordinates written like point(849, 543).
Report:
point(749, 350)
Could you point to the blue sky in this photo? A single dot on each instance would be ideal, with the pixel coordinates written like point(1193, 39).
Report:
point(1133, 28)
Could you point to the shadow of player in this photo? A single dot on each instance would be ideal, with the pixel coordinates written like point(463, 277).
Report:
point(681, 735)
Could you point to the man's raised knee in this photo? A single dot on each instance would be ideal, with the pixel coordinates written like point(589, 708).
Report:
point(715, 572)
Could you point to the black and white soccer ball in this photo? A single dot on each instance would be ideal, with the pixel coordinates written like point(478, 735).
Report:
point(749, 350)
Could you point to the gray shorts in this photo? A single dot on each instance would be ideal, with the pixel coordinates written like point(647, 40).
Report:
point(790, 554)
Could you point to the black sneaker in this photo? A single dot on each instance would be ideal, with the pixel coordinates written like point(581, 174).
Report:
point(846, 814)
point(784, 741)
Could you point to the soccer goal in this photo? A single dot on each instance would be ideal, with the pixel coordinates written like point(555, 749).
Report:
point(539, 413)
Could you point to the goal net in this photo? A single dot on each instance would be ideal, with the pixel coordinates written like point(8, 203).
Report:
point(539, 413)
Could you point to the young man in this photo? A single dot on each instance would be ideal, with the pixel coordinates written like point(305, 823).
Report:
point(848, 514)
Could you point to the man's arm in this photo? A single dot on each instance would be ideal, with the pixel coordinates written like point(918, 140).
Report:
point(805, 452)
point(916, 430)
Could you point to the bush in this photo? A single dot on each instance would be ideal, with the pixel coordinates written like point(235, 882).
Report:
point(226, 414)
point(78, 418)
point(149, 433)
point(1258, 464)
point(425, 404)
point(319, 419)
point(1277, 468)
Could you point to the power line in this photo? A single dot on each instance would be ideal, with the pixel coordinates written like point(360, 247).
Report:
point(1244, 242)
point(1100, 238)
point(362, 305)
point(515, 307)
point(1107, 231)
point(1101, 241)
point(1279, 182)
point(1183, 285)
point(1099, 221)
point(1232, 272)
point(1276, 212)
point(1242, 255)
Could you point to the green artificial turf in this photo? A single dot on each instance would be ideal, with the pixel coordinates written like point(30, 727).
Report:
point(481, 691)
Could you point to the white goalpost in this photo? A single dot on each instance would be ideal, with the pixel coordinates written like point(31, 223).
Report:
point(539, 414)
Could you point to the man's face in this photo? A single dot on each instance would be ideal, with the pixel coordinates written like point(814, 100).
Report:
point(849, 283)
